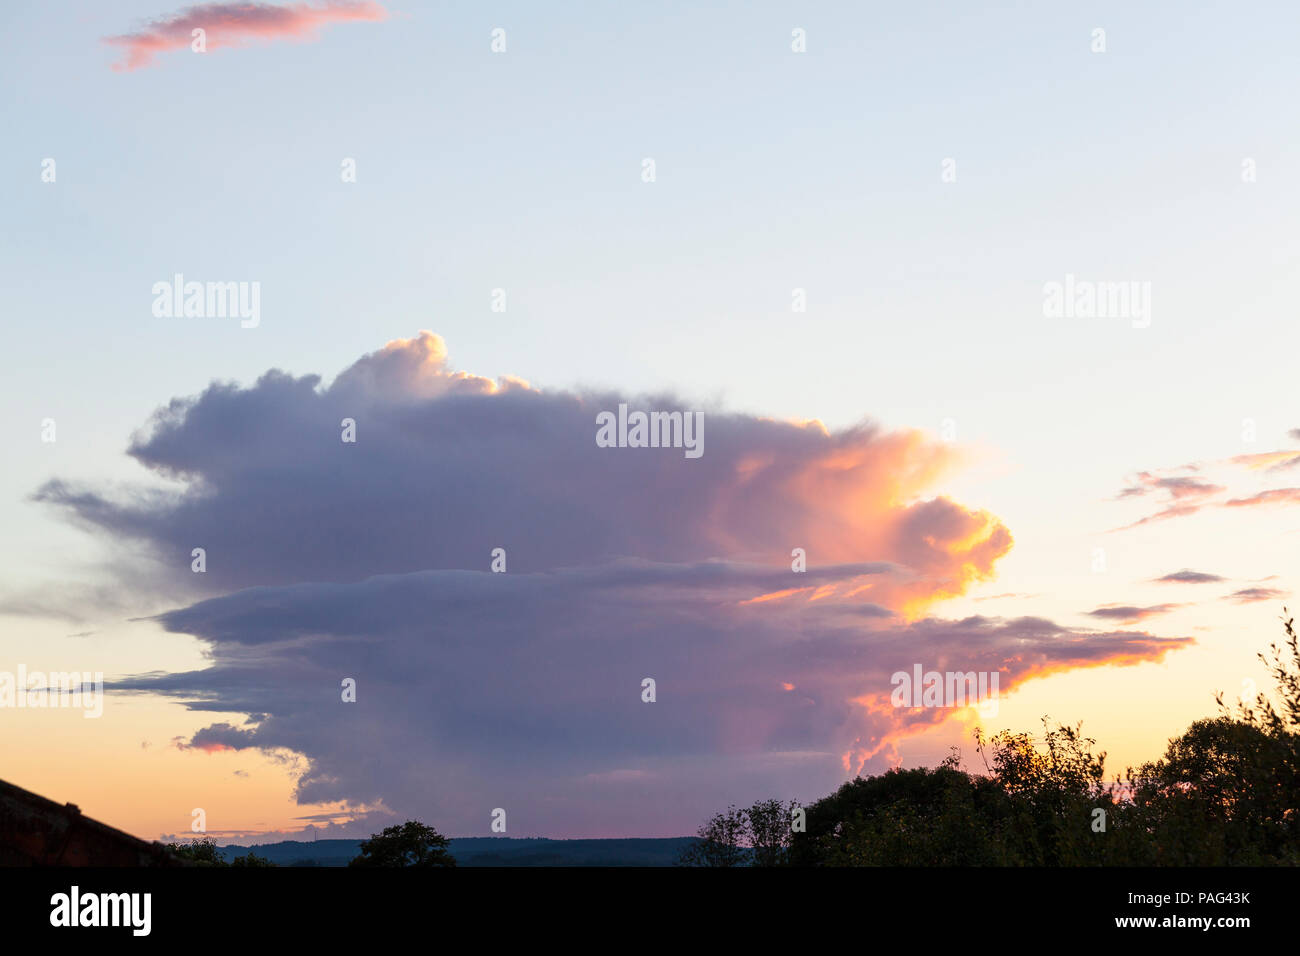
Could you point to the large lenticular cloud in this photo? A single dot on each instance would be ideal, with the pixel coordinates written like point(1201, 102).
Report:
point(523, 690)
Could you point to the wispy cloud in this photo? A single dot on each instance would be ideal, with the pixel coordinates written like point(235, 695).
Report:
point(1268, 460)
point(235, 24)
point(1184, 494)
point(1274, 496)
point(1189, 493)
point(1253, 595)
point(1128, 613)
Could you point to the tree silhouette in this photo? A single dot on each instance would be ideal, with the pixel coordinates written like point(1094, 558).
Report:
point(408, 844)
point(757, 835)
point(721, 841)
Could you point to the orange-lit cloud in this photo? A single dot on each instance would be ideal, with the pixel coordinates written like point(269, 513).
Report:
point(234, 24)
point(1018, 650)
point(775, 595)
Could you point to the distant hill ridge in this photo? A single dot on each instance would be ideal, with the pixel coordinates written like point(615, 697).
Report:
point(488, 851)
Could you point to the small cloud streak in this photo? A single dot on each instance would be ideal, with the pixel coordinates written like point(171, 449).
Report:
point(1253, 595)
point(234, 24)
point(1128, 614)
point(1274, 496)
point(1268, 461)
point(1186, 576)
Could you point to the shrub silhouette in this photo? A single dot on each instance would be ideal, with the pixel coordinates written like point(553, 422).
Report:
point(205, 853)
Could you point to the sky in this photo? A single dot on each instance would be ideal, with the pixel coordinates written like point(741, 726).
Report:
point(832, 231)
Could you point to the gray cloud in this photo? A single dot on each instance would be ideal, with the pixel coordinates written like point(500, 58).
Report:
point(1186, 576)
point(1129, 614)
point(1253, 595)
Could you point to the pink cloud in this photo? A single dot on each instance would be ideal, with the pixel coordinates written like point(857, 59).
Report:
point(1274, 496)
point(1186, 494)
point(234, 24)
point(1268, 461)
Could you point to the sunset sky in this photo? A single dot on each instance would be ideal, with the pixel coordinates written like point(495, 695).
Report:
point(1103, 510)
